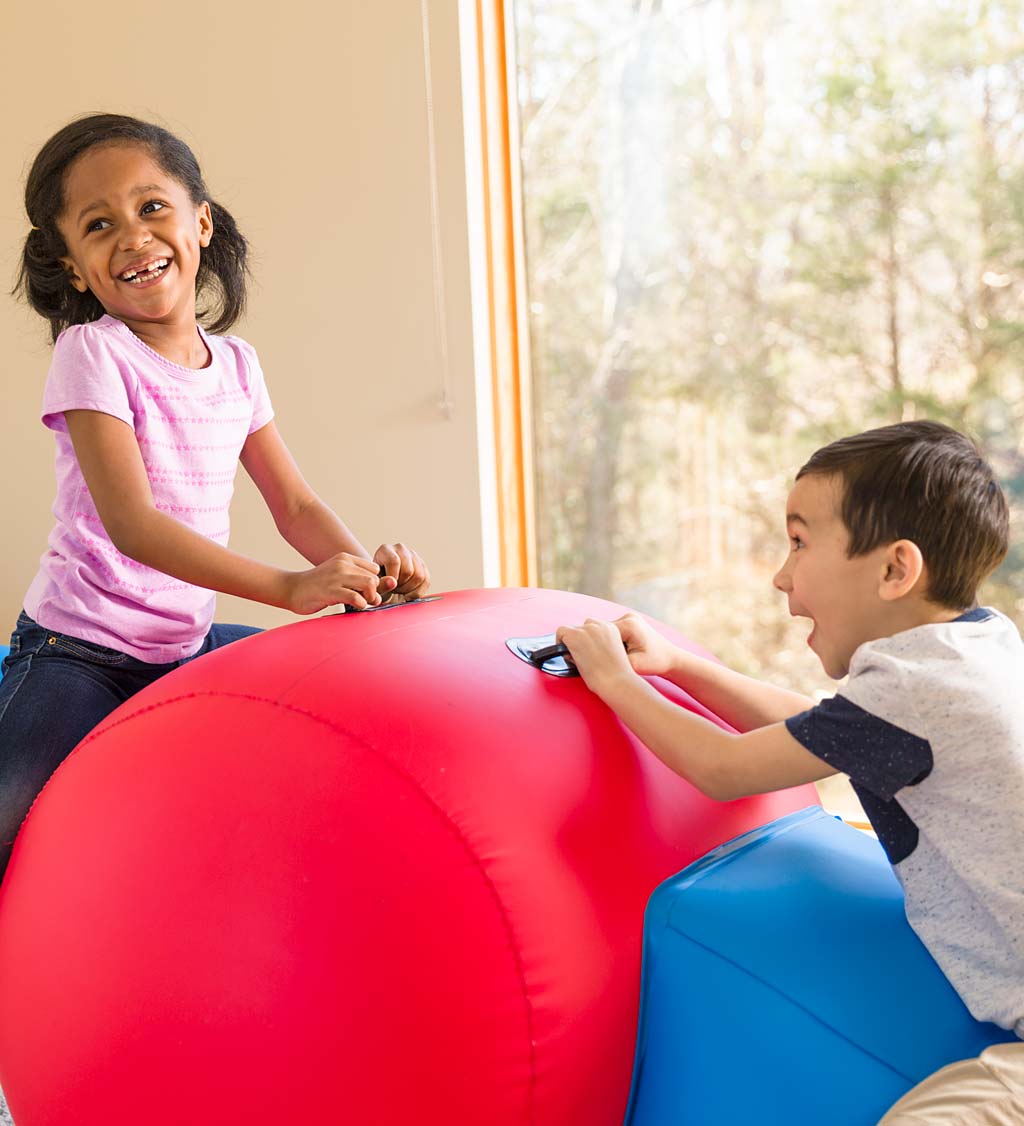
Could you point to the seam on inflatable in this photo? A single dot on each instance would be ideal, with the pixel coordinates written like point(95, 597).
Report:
point(796, 1004)
point(445, 819)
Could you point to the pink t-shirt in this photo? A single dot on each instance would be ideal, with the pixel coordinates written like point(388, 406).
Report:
point(191, 426)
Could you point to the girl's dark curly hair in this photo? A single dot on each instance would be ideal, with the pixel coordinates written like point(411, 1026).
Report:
point(43, 280)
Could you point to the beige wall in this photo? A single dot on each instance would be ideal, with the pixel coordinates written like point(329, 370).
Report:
point(310, 122)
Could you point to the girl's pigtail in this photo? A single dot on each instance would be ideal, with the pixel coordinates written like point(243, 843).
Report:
point(224, 262)
point(43, 282)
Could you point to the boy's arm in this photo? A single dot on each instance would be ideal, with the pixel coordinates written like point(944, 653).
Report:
point(722, 765)
point(312, 527)
point(740, 700)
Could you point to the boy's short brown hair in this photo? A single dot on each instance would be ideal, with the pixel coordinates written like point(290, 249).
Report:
point(925, 482)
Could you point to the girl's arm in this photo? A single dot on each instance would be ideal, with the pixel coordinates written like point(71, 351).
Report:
point(111, 463)
point(722, 765)
point(302, 518)
point(310, 526)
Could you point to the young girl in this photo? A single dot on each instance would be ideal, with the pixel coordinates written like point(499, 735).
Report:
point(151, 414)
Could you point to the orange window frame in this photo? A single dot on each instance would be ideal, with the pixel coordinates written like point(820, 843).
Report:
point(506, 293)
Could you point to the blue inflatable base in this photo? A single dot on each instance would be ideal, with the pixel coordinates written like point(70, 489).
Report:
point(782, 985)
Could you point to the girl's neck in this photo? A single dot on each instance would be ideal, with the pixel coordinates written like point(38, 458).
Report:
point(179, 343)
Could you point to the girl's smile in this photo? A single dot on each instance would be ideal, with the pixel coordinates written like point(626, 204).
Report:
point(145, 274)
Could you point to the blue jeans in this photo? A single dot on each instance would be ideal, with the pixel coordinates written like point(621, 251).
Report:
point(55, 690)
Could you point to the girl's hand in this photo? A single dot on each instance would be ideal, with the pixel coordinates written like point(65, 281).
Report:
point(342, 579)
point(649, 653)
point(405, 572)
point(597, 651)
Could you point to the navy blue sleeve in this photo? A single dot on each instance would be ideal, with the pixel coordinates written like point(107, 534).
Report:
point(877, 755)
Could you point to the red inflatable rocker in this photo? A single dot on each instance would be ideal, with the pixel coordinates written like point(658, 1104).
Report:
point(370, 869)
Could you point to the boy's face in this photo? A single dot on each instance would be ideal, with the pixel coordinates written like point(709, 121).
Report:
point(840, 595)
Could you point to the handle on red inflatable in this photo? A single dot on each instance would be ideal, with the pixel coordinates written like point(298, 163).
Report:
point(389, 605)
point(547, 652)
point(392, 605)
point(543, 653)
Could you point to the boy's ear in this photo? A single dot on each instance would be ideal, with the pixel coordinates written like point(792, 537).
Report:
point(903, 567)
point(73, 275)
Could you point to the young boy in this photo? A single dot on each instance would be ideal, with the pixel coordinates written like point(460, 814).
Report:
point(890, 533)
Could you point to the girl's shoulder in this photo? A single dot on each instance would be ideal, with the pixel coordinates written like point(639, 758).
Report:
point(88, 352)
point(88, 336)
point(89, 370)
point(233, 344)
point(240, 354)
point(105, 345)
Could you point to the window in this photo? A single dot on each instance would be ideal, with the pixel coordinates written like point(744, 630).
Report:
point(752, 226)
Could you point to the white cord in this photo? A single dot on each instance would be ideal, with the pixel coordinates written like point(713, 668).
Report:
point(446, 402)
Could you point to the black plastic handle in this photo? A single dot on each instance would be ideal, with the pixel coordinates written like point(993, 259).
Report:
point(540, 652)
point(543, 653)
point(540, 656)
point(381, 572)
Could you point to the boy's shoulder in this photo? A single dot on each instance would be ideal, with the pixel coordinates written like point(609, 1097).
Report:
point(946, 669)
point(976, 635)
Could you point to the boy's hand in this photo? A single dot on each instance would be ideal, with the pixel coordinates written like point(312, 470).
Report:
point(597, 652)
point(405, 572)
point(649, 653)
point(343, 579)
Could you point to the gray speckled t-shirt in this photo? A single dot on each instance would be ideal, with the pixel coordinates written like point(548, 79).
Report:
point(930, 729)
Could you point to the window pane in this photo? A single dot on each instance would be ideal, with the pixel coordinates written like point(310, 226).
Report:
point(754, 226)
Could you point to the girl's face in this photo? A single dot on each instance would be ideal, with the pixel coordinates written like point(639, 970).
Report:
point(133, 236)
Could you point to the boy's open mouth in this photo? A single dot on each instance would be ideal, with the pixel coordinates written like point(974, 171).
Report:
point(150, 273)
